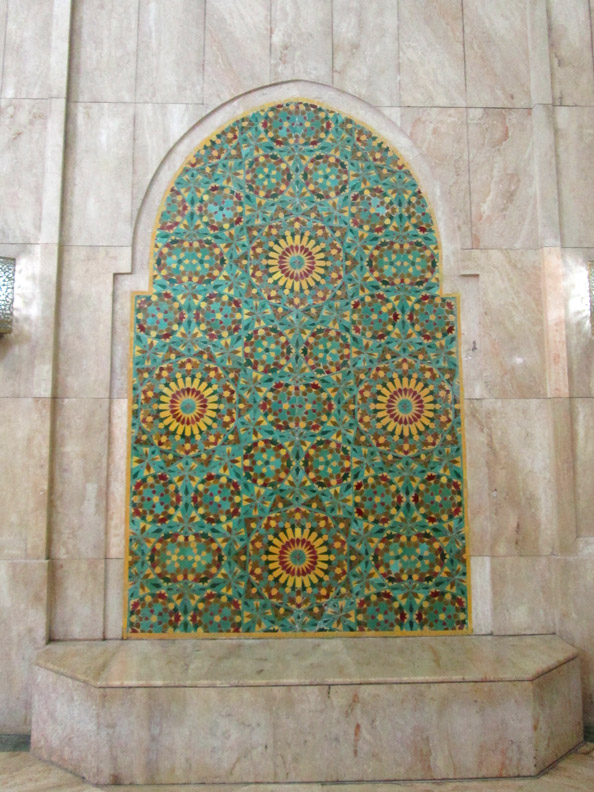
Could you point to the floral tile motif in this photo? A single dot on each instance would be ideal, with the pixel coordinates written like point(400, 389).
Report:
point(296, 462)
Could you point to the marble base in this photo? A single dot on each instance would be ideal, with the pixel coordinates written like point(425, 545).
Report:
point(306, 710)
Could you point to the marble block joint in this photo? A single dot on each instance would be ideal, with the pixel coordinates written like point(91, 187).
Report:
point(306, 710)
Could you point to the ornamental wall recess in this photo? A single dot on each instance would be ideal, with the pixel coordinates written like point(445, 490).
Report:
point(295, 429)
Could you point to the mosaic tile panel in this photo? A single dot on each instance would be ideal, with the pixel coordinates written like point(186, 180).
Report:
point(296, 438)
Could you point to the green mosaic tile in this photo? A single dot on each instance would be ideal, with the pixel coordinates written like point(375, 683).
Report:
point(296, 438)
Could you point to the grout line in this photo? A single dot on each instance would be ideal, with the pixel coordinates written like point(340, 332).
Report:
point(508, 108)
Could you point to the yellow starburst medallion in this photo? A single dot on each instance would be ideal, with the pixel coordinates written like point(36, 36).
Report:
point(297, 557)
point(297, 262)
point(405, 406)
point(188, 406)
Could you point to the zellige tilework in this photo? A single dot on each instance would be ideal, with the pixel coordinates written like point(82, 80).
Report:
point(296, 441)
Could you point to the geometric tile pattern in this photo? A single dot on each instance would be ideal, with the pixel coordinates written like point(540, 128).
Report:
point(296, 438)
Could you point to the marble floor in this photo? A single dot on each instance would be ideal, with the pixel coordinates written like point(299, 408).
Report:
point(22, 772)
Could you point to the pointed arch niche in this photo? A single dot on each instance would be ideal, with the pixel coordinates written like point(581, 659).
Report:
point(296, 439)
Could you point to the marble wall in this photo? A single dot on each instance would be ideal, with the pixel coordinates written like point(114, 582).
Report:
point(498, 98)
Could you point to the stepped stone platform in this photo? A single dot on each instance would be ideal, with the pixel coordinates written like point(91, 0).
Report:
point(306, 709)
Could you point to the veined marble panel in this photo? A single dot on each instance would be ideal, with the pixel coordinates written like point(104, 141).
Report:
point(512, 322)
point(237, 48)
point(98, 174)
point(578, 323)
point(521, 478)
point(570, 43)
point(479, 517)
point(124, 286)
point(77, 592)
point(116, 478)
point(566, 526)
point(23, 626)
point(24, 471)
point(365, 49)
point(482, 595)
point(539, 56)
point(23, 772)
point(301, 40)
point(3, 16)
point(171, 51)
point(440, 134)
point(582, 421)
point(574, 128)
point(27, 50)
point(114, 596)
point(547, 190)
point(79, 479)
point(23, 124)
point(574, 577)
point(497, 55)
point(523, 595)
point(84, 334)
point(103, 50)
point(431, 53)
point(502, 184)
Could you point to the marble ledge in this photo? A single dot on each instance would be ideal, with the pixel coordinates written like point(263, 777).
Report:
point(263, 662)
